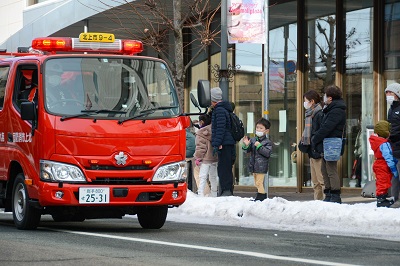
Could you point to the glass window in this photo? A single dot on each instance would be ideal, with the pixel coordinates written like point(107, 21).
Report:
point(358, 92)
point(3, 82)
point(282, 94)
point(117, 87)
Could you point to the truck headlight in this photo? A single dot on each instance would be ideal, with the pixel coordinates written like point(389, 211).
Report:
point(60, 172)
point(171, 172)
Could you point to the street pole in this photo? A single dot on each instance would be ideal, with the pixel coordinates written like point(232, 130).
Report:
point(266, 75)
point(223, 83)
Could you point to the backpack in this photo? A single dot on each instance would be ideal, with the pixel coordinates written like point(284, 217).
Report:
point(237, 128)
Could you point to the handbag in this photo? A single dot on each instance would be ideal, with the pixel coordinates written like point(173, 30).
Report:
point(334, 148)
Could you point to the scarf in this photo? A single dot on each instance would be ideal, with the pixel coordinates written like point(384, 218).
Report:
point(306, 137)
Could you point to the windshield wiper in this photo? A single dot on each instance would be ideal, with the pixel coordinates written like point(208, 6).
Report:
point(92, 112)
point(146, 112)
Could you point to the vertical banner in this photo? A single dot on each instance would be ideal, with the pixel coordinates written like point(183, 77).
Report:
point(276, 76)
point(246, 22)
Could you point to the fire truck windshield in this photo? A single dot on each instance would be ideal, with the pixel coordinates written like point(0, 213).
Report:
point(125, 87)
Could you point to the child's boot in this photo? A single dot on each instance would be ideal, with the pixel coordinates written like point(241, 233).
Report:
point(383, 201)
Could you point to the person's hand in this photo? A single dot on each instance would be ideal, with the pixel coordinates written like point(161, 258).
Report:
point(256, 143)
point(198, 162)
point(246, 140)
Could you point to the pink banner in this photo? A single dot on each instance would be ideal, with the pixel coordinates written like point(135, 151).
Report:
point(246, 21)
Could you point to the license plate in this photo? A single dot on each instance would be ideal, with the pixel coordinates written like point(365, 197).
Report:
point(94, 195)
point(96, 37)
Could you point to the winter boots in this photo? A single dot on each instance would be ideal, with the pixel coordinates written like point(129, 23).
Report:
point(261, 196)
point(384, 201)
point(332, 196)
point(327, 193)
point(335, 196)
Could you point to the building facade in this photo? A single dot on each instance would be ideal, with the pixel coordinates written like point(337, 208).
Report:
point(312, 43)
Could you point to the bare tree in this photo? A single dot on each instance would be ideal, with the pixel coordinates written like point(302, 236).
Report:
point(326, 47)
point(162, 28)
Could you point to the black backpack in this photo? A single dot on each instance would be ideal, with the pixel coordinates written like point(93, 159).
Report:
point(237, 128)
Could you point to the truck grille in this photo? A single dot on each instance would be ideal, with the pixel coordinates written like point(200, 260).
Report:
point(111, 167)
point(119, 181)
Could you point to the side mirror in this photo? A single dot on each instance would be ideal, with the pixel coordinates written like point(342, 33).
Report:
point(194, 101)
point(28, 111)
point(203, 93)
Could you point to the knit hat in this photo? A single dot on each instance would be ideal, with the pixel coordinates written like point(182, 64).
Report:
point(395, 88)
point(382, 129)
point(216, 94)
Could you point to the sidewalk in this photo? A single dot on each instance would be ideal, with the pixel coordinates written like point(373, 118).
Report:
point(349, 195)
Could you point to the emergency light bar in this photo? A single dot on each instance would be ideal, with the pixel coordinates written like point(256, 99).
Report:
point(62, 44)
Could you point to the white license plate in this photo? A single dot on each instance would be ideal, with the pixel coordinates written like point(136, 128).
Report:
point(94, 195)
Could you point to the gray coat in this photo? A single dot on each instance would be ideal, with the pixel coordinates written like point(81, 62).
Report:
point(259, 158)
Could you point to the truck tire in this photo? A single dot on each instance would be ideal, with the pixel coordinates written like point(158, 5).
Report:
point(25, 216)
point(152, 217)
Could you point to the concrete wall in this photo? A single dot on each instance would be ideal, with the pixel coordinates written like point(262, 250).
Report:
point(42, 19)
point(11, 17)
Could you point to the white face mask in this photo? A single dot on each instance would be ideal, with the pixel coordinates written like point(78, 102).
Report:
point(306, 105)
point(259, 133)
point(389, 99)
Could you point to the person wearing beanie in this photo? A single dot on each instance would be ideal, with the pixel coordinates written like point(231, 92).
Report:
point(384, 166)
point(393, 101)
point(222, 141)
point(216, 94)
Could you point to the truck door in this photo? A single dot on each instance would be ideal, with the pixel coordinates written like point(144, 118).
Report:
point(4, 70)
point(19, 136)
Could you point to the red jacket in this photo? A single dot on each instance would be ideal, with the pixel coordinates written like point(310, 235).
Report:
point(384, 166)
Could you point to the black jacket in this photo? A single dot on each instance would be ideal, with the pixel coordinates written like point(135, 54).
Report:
point(221, 124)
point(332, 124)
point(394, 120)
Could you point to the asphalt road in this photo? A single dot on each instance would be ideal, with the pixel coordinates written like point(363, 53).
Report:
point(124, 242)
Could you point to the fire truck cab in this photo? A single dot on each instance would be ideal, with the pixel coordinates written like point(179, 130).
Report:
point(89, 129)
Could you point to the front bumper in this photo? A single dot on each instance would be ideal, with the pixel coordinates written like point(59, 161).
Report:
point(120, 195)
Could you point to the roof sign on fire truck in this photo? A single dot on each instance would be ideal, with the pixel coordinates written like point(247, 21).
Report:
point(88, 42)
point(96, 37)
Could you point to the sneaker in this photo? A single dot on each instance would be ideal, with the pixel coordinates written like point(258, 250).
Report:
point(384, 203)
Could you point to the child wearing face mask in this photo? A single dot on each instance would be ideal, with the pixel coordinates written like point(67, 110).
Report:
point(260, 149)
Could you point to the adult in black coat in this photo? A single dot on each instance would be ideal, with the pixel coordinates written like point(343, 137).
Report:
point(222, 141)
point(393, 100)
point(332, 126)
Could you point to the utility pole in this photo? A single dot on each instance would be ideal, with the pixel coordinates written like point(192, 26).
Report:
point(223, 83)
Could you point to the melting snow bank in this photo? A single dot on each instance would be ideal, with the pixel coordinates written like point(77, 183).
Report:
point(360, 220)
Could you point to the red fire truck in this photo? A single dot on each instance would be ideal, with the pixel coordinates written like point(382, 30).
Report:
point(89, 129)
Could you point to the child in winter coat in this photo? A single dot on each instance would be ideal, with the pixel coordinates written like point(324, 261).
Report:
point(205, 158)
point(260, 149)
point(384, 166)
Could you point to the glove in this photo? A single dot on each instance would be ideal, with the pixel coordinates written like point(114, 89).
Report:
point(215, 150)
point(198, 162)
